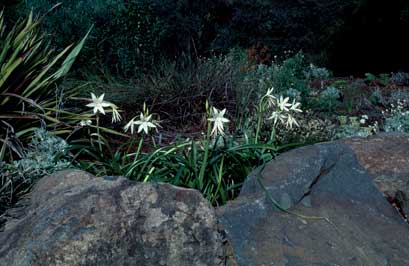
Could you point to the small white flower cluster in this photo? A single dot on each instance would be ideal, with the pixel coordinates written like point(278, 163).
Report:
point(364, 119)
point(283, 110)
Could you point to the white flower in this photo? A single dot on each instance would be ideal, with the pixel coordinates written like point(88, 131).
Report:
point(364, 117)
point(294, 107)
point(144, 123)
point(98, 103)
point(362, 121)
point(270, 97)
point(291, 121)
point(283, 112)
point(277, 116)
point(130, 125)
point(85, 123)
point(116, 117)
point(283, 104)
point(218, 120)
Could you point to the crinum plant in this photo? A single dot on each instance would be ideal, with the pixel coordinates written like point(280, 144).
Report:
point(277, 109)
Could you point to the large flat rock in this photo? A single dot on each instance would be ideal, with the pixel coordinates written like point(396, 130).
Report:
point(340, 181)
point(76, 219)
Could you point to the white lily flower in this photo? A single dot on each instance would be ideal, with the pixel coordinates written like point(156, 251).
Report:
point(218, 120)
point(269, 92)
point(130, 125)
point(294, 107)
point(116, 117)
point(144, 123)
point(271, 99)
point(277, 116)
point(98, 103)
point(283, 104)
point(291, 121)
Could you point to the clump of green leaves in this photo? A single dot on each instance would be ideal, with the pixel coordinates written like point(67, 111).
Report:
point(290, 74)
point(44, 155)
point(312, 129)
point(329, 98)
point(314, 73)
point(355, 127)
point(377, 97)
point(383, 79)
point(397, 118)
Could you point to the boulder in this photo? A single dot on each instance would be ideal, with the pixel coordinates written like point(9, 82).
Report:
point(386, 158)
point(75, 218)
point(334, 210)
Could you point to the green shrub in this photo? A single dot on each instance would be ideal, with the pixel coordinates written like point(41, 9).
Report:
point(44, 155)
point(290, 74)
point(314, 72)
point(286, 76)
point(397, 118)
point(355, 127)
point(312, 129)
point(377, 98)
point(329, 98)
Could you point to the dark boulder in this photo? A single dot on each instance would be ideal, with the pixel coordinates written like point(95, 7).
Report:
point(77, 219)
point(341, 185)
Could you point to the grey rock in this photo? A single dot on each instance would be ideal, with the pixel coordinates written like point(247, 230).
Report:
point(338, 186)
point(77, 219)
point(386, 158)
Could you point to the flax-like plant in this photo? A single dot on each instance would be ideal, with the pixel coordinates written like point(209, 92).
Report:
point(29, 72)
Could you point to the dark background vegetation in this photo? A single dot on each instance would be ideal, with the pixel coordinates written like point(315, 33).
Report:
point(350, 37)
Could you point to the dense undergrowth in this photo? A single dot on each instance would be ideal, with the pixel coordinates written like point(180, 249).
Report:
point(202, 122)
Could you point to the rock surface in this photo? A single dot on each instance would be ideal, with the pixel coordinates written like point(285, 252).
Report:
point(77, 219)
point(342, 182)
point(386, 158)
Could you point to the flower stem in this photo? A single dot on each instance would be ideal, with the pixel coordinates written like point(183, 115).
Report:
point(139, 149)
point(273, 135)
point(259, 121)
point(219, 180)
point(206, 155)
point(99, 137)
